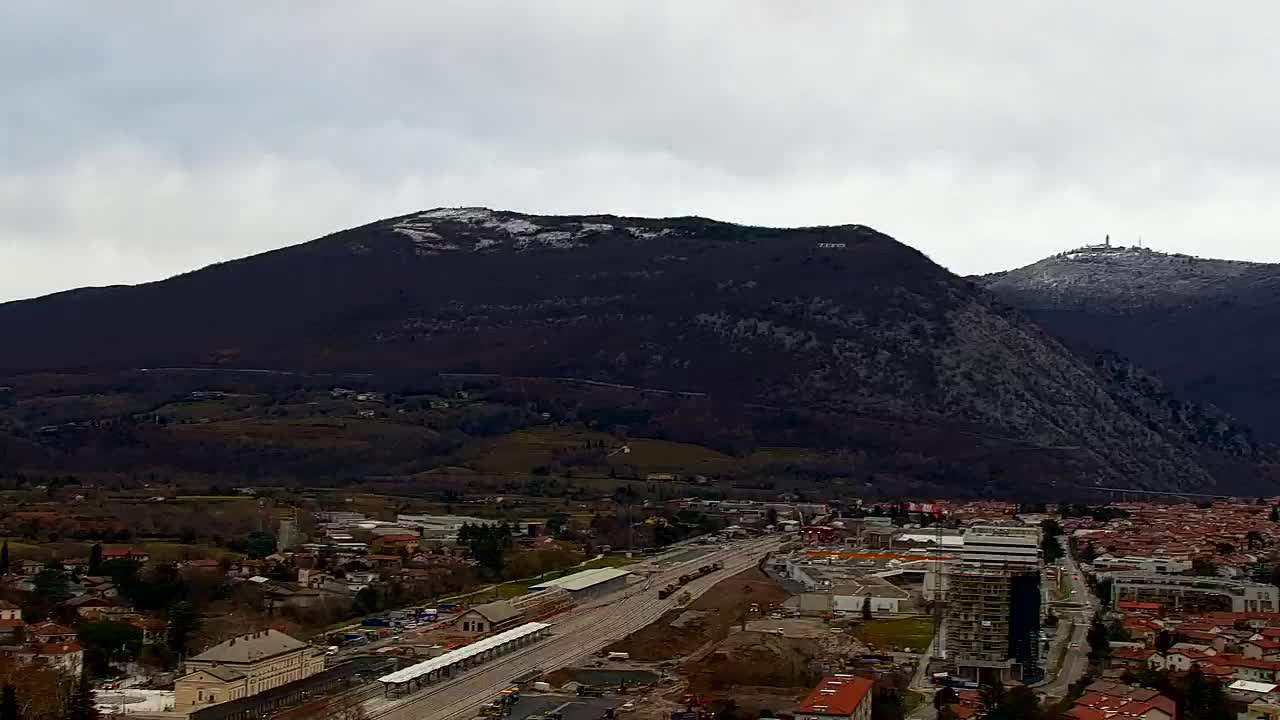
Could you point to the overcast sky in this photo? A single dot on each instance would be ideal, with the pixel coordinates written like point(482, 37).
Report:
point(141, 139)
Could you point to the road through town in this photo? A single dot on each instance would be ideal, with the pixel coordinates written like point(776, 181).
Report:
point(1078, 610)
point(580, 633)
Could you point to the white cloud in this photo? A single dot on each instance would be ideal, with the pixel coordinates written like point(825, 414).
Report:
point(148, 140)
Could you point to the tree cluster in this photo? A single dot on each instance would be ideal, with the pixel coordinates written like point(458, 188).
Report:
point(1019, 703)
point(1198, 697)
point(488, 544)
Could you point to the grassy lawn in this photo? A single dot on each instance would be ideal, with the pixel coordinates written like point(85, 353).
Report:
point(608, 561)
point(912, 632)
point(764, 455)
point(667, 455)
point(522, 450)
point(519, 451)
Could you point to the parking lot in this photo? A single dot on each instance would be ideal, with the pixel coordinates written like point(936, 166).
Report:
point(570, 706)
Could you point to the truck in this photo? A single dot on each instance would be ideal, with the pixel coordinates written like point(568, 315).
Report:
point(619, 656)
point(448, 607)
point(376, 622)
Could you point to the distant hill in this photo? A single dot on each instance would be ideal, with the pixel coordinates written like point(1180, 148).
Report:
point(830, 337)
point(1206, 327)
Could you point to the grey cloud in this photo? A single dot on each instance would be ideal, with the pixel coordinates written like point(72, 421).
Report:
point(149, 137)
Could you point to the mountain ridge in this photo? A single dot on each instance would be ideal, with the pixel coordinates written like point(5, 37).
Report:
point(1200, 324)
point(830, 322)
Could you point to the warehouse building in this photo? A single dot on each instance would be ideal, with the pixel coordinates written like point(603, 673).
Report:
point(588, 584)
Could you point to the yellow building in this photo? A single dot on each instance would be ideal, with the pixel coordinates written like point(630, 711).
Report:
point(244, 666)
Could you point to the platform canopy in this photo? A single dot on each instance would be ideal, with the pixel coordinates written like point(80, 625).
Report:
point(453, 657)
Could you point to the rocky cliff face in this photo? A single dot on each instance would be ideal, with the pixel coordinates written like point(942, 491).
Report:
point(1206, 327)
point(841, 323)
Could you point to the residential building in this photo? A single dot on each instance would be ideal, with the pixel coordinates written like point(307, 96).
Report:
point(245, 666)
point(838, 696)
point(394, 542)
point(1159, 565)
point(1261, 649)
point(1001, 546)
point(1243, 668)
point(992, 598)
point(65, 656)
point(1103, 699)
point(51, 633)
point(1189, 592)
point(11, 624)
point(1261, 710)
point(122, 552)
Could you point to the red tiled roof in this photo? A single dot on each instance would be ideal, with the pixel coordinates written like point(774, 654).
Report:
point(399, 537)
point(57, 648)
point(1091, 699)
point(120, 552)
point(1132, 653)
point(1134, 708)
point(836, 695)
point(1237, 661)
point(1081, 712)
point(51, 629)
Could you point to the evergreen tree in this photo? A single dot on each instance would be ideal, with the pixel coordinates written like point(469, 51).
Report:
point(95, 559)
point(1203, 698)
point(4, 558)
point(183, 620)
point(886, 704)
point(1051, 549)
point(1099, 645)
point(866, 608)
point(79, 705)
point(9, 703)
point(945, 697)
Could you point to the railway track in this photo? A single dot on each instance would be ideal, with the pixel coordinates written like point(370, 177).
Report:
point(582, 633)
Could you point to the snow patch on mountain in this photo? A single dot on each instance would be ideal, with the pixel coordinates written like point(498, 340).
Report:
point(441, 228)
